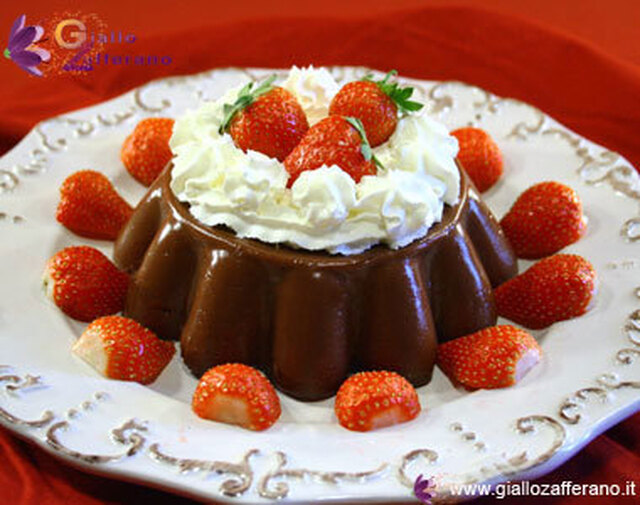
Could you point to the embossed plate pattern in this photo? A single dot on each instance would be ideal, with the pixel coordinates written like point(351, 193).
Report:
point(589, 378)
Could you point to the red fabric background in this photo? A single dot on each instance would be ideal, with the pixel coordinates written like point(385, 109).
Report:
point(577, 60)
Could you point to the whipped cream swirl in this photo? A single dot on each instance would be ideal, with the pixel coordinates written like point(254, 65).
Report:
point(324, 209)
point(314, 89)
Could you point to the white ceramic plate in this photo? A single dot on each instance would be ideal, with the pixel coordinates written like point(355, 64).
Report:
point(587, 381)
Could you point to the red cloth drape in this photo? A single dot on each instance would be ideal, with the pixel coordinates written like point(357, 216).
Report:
point(591, 86)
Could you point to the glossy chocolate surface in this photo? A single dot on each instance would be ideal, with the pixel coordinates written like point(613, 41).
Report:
point(309, 319)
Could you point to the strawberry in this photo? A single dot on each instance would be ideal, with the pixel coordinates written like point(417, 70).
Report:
point(545, 218)
point(84, 283)
point(371, 400)
point(121, 348)
point(495, 357)
point(335, 140)
point(376, 104)
point(237, 394)
point(267, 119)
point(90, 206)
point(480, 156)
point(554, 289)
point(146, 151)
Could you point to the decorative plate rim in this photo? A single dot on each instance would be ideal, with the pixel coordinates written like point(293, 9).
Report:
point(132, 436)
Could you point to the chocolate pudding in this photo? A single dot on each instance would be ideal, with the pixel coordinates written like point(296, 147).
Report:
point(309, 319)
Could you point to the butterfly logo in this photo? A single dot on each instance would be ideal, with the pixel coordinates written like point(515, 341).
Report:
point(22, 49)
point(423, 489)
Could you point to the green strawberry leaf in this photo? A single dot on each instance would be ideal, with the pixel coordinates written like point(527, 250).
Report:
point(246, 96)
point(399, 95)
point(365, 147)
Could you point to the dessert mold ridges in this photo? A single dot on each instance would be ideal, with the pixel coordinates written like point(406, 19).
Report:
point(308, 319)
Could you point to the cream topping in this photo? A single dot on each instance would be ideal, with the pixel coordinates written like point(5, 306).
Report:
point(324, 209)
point(313, 88)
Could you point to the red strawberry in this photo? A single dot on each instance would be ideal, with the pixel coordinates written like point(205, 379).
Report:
point(90, 206)
point(237, 394)
point(480, 157)
point(333, 141)
point(496, 357)
point(146, 151)
point(545, 218)
point(376, 104)
point(84, 283)
point(267, 119)
point(371, 400)
point(554, 289)
point(121, 348)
